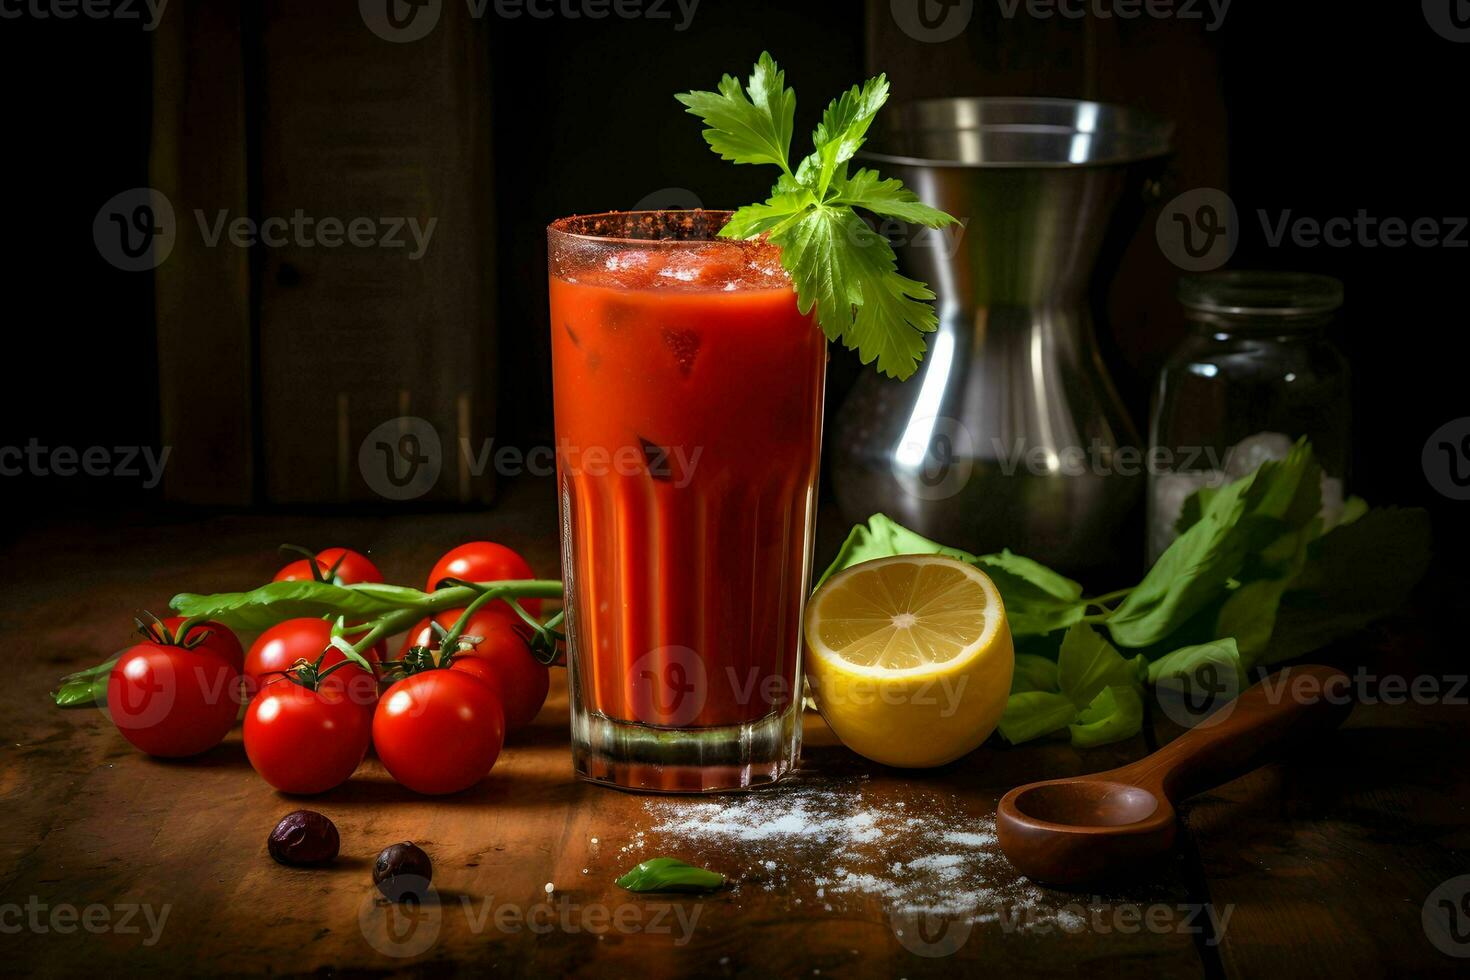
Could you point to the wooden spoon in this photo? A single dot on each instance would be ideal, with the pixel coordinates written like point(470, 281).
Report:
point(1086, 828)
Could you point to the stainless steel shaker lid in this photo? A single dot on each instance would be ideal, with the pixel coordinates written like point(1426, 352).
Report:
point(1017, 132)
point(1260, 294)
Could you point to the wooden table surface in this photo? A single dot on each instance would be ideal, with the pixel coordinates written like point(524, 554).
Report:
point(1320, 864)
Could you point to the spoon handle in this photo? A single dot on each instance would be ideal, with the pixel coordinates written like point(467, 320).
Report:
point(1236, 738)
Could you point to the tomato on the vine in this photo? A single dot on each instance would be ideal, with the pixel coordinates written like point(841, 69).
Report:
point(484, 561)
point(354, 567)
point(279, 648)
point(438, 731)
point(305, 739)
point(500, 657)
point(172, 701)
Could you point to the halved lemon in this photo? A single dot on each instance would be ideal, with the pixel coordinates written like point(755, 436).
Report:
point(909, 658)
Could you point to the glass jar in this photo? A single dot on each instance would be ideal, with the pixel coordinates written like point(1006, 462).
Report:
point(1255, 373)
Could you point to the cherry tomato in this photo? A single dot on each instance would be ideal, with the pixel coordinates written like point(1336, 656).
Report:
point(484, 561)
point(355, 568)
point(307, 741)
point(221, 639)
point(277, 649)
point(438, 731)
point(501, 658)
point(173, 702)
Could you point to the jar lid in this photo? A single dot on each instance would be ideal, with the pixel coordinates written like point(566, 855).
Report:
point(1265, 294)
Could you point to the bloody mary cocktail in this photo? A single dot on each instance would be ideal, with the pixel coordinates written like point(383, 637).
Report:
point(688, 395)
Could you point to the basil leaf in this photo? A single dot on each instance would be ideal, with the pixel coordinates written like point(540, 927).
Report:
point(665, 874)
point(1032, 714)
point(1114, 715)
point(1037, 599)
point(270, 604)
point(85, 688)
point(1088, 664)
point(1033, 673)
point(82, 692)
point(1354, 574)
point(1187, 660)
point(1239, 519)
point(883, 537)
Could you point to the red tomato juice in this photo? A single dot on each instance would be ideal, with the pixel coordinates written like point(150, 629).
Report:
point(688, 394)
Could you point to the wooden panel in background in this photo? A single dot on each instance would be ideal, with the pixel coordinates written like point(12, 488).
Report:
point(356, 127)
point(198, 161)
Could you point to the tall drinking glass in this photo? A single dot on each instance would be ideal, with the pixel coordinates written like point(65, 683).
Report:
point(688, 397)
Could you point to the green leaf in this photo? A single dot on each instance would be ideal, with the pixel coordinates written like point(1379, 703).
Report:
point(1354, 574)
point(85, 688)
point(1088, 664)
point(665, 874)
point(843, 128)
point(1037, 599)
point(350, 654)
point(758, 219)
point(890, 198)
point(893, 312)
point(883, 537)
point(1249, 615)
point(1115, 714)
point(1239, 519)
point(1032, 714)
point(1033, 673)
point(1223, 655)
point(753, 126)
point(270, 604)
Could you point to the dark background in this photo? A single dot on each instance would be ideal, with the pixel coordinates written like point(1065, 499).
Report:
point(1318, 108)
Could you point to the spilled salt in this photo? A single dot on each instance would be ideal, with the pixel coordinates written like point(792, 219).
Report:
point(935, 857)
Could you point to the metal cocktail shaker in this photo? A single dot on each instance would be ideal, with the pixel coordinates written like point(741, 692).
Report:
point(1011, 433)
